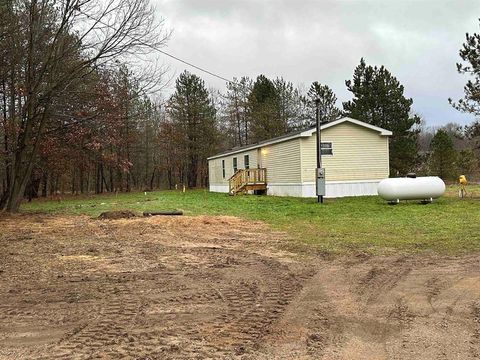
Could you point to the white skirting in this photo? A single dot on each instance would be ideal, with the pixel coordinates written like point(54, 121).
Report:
point(219, 188)
point(333, 189)
point(286, 189)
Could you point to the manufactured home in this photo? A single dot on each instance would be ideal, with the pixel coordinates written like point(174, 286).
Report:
point(354, 155)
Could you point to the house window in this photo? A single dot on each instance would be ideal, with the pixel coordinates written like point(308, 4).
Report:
point(326, 148)
point(235, 166)
point(223, 168)
point(246, 160)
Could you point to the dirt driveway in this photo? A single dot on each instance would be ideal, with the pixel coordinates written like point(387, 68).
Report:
point(220, 287)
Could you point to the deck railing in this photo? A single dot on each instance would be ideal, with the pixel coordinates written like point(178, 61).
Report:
point(244, 177)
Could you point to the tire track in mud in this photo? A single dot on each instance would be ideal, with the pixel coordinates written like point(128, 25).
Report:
point(475, 340)
point(431, 314)
point(251, 301)
point(324, 329)
point(401, 313)
point(252, 310)
point(173, 290)
point(350, 325)
point(239, 294)
point(308, 325)
point(413, 309)
point(108, 327)
point(381, 279)
point(433, 288)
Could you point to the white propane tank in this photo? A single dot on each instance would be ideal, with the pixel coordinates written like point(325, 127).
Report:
point(419, 188)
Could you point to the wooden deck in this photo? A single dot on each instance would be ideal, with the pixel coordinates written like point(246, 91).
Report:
point(245, 180)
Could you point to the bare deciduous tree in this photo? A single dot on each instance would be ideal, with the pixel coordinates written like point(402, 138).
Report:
point(52, 46)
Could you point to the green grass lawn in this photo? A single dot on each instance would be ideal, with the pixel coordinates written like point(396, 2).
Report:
point(450, 225)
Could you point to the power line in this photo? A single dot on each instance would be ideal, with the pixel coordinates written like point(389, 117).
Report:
point(195, 66)
point(165, 53)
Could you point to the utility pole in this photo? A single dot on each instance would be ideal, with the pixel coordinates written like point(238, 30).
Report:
point(320, 172)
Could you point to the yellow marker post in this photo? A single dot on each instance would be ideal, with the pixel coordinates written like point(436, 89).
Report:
point(462, 180)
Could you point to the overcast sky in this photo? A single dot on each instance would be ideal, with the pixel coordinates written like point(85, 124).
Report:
point(303, 41)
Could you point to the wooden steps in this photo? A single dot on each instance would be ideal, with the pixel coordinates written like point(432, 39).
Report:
point(245, 180)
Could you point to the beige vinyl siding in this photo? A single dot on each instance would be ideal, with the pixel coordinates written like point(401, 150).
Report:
point(215, 166)
point(358, 154)
point(282, 162)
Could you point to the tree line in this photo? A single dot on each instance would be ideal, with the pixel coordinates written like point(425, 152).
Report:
point(449, 151)
point(69, 99)
point(79, 117)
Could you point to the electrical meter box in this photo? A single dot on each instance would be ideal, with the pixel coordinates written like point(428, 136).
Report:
point(320, 181)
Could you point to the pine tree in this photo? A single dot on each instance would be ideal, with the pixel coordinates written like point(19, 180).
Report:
point(328, 110)
point(193, 114)
point(263, 110)
point(443, 155)
point(289, 105)
point(470, 54)
point(379, 100)
point(466, 162)
point(235, 109)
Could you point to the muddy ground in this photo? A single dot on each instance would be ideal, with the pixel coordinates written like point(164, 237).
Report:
point(221, 288)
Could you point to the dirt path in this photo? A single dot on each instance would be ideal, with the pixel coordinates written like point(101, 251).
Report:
point(384, 308)
point(205, 287)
